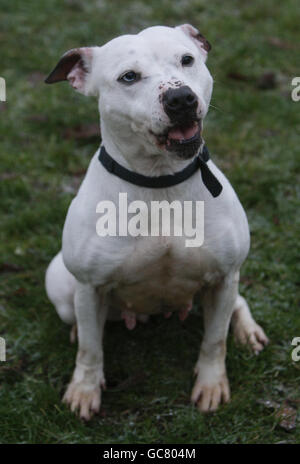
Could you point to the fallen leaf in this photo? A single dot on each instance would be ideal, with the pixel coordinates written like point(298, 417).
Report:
point(82, 131)
point(246, 281)
point(38, 117)
point(285, 413)
point(8, 175)
point(133, 380)
point(20, 291)
point(10, 267)
point(267, 81)
point(78, 173)
point(237, 76)
point(287, 416)
point(277, 42)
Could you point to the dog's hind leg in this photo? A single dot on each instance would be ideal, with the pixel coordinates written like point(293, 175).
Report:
point(245, 329)
point(60, 288)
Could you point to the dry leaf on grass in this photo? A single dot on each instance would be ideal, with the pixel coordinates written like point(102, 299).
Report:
point(285, 413)
point(10, 267)
point(287, 416)
point(279, 43)
point(83, 131)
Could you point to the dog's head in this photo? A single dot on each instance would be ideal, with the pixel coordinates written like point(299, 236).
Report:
point(154, 88)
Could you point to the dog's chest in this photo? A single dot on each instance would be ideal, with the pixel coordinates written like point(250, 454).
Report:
point(161, 273)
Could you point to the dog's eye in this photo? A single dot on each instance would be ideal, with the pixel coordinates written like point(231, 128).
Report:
point(187, 60)
point(129, 78)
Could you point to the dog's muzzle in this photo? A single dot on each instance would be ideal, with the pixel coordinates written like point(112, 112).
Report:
point(184, 135)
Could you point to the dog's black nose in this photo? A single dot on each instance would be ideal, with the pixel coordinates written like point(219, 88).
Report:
point(180, 101)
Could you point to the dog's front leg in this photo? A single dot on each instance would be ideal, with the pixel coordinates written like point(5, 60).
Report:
point(84, 390)
point(211, 386)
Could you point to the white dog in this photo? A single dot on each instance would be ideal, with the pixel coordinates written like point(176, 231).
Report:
point(154, 91)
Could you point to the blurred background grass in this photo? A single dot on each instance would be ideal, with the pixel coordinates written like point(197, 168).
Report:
point(47, 137)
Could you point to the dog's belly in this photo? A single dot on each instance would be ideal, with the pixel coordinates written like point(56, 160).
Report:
point(157, 295)
point(161, 280)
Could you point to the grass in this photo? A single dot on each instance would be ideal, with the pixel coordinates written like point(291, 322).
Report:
point(253, 135)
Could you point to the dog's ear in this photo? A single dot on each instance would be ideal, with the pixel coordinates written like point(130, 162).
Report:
point(196, 37)
point(75, 66)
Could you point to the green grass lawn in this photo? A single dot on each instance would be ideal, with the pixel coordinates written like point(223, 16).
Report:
point(46, 142)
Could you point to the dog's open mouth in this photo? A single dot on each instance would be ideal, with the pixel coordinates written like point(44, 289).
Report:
point(183, 134)
point(183, 139)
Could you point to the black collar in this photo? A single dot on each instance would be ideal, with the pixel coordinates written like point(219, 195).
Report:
point(199, 162)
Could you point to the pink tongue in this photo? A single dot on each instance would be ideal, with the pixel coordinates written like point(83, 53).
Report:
point(180, 133)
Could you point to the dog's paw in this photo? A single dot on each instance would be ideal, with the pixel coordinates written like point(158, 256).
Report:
point(85, 400)
point(250, 334)
point(208, 396)
point(84, 391)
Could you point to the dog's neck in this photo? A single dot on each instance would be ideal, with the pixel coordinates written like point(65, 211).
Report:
point(140, 158)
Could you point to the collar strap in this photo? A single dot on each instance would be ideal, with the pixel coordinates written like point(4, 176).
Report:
point(199, 162)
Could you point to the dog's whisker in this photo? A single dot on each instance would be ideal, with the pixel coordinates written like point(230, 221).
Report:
point(216, 108)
